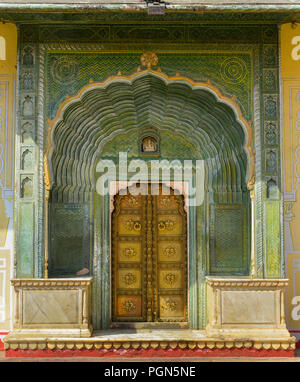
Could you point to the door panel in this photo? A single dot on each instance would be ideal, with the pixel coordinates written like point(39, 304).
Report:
point(129, 251)
point(128, 286)
point(149, 258)
point(172, 258)
point(170, 251)
point(129, 225)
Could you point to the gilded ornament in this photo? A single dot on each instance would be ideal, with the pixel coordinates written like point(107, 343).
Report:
point(131, 201)
point(128, 305)
point(169, 305)
point(170, 252)
point(166, 225)
point(149, 144)
point(170, 278)
point(251, 183)
point(47, 181)
point(133, 225)
point(166, 201)
point(129, 252)
point(129, 278)
point(149, 59)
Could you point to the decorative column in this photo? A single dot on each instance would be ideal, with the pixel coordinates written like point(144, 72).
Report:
point(29, 142)
point(253, 257)
point(47, 195)
point(270, 155)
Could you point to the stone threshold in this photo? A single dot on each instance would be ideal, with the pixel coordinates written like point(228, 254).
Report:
point(146, 342)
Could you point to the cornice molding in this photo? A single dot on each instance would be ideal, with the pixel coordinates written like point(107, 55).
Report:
point(252, 283)
point(46, 283)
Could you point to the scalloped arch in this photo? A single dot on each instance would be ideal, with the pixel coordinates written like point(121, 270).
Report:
point(102, 110)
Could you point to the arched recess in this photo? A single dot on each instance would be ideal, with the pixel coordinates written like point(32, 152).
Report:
point(190, 112)
point(100, 111)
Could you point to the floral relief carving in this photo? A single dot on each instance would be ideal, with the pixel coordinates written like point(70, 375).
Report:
point(168, 225)
point(131, 201)
point(170, 252)
point(169, 305)
point(129, 252)
point(129, 278)
point(128, 306)
point(133, 225)
point(170, 278)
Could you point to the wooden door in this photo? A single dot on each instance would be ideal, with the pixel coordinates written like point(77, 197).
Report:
point(149, 257)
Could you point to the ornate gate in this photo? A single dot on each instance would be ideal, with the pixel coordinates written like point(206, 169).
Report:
point(149, 257)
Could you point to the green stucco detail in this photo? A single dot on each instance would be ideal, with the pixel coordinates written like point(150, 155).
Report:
point(273, 242)
point(171, 146)
point(26, 240)
point(231, 72)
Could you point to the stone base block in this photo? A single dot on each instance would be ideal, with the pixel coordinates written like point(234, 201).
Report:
point(247, 309)
point(51, 307)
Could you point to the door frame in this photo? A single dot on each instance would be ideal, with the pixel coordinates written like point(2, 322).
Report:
point(192, 289)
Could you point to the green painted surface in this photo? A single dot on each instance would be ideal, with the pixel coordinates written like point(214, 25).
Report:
point(273, 246)
point(69, 239)
point(229, 240)
point(171, 146)
point(231, 72)
point(26, 239)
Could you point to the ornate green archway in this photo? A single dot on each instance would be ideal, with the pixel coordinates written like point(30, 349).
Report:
point(100, 111)
point(194, 122)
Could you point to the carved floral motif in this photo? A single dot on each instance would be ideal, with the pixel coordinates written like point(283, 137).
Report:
point(131, 201)
point(170, 278)
point(170, 252)
point(168, 225)
point(128, 305)
point(149, 59)
point(129, 278)
point(169, 305)
point(129, 252)
point(133, 225)
point(166, 201)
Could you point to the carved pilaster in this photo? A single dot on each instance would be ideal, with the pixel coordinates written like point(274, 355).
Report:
point(253, 259)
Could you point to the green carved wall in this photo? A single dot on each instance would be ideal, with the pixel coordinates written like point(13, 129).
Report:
point(241, 61)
